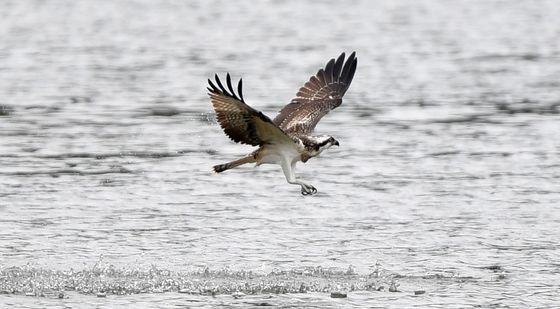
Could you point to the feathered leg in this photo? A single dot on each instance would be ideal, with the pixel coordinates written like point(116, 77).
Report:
point(222, 167)
point(289, 172)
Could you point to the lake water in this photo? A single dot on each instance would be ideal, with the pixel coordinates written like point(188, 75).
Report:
point(444, 193)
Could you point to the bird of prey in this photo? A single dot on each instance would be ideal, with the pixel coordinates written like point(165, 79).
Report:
point(288, 138)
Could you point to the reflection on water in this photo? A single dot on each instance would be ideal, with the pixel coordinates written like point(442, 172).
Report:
point(446, 181)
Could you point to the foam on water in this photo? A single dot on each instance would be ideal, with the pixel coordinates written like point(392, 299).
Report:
point(110, 280)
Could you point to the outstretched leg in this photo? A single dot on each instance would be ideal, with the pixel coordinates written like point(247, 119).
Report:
point(289, 172)
point(222, 167)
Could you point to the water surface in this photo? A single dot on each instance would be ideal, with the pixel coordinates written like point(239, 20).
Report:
point(446, 181)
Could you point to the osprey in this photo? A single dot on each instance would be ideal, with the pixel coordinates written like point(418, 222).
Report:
point(288, 138)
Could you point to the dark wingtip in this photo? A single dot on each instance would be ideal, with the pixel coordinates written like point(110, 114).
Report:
point(230, 87)
point(330, 64)
point(219, 82)
point(214, 88)
point(216, 78)
point(341, 58)
point(322, 76)
point(240, 89)
point(338, 65)
point(329, 70)
point(219, 88)
point(228, 79)
point(349, 68)
point(352, 56)
point(352, 71)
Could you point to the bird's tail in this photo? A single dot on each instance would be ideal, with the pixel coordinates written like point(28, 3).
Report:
point(222, 167)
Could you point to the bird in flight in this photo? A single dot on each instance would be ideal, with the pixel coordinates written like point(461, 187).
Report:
point(288, 138)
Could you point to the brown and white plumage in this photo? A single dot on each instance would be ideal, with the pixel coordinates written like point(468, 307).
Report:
point(287, 139)
point(321, 94)
point(242, 123)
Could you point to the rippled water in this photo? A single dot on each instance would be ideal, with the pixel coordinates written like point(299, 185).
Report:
point(444, 193)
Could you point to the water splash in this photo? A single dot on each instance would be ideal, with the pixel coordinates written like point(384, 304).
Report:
point(106, 279)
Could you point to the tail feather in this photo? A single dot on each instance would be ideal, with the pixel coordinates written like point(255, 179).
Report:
point(223, 167)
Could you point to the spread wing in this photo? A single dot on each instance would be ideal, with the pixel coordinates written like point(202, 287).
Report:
point(321, 94)
point(240, 122)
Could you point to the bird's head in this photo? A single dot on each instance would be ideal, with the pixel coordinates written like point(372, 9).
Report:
point(325, 142)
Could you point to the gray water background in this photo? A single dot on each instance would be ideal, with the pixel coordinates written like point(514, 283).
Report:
point(447, 179)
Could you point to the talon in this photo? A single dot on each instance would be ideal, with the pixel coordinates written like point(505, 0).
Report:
point(308, 190)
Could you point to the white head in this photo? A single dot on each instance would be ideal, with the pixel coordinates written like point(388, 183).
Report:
point(323, 143)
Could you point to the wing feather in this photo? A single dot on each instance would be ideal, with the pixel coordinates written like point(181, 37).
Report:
point(321, 94)
point(338, 65)
point(329, 71)
point(240, 122)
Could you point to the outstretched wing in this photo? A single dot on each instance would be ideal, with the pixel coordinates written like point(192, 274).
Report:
point(240, 122)
point(321, 94)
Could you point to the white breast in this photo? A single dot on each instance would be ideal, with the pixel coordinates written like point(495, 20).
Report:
point(276, 153)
